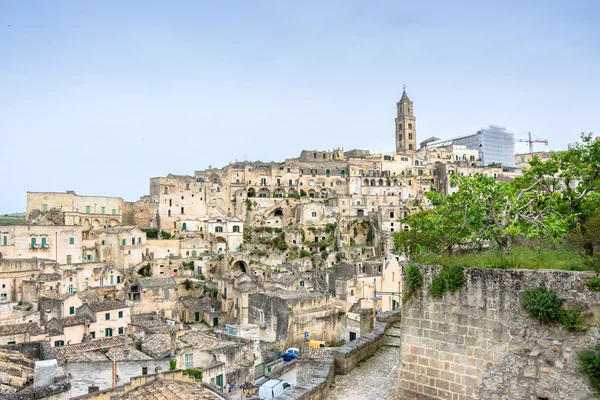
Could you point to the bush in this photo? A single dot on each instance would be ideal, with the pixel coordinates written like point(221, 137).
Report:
point(172, 365)
point(352, 242)
point(302, 193)
point(454, 278)
point(166, 235)
point(438, 286)
point(572, 320)
point(593, 283)
point(202, 277)
point(194, 373)
point(589, 365)
point(543, 304)
point(413, 277)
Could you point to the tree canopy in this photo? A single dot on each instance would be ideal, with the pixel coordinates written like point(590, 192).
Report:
point(552, 199)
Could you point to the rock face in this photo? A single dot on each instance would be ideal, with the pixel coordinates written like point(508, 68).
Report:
point(479, 343)
point(45, 372)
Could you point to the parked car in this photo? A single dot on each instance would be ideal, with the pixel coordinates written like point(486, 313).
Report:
point(291, 354)
point(315, 344)
point(272, 388)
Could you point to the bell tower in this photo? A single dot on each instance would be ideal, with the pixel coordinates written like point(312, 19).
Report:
point(406, 126)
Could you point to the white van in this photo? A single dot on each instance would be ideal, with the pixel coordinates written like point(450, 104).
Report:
point(272, 388)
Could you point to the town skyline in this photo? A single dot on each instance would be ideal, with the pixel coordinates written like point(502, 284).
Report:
point(326, 76)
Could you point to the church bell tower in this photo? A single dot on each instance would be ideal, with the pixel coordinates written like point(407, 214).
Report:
point(406, 126)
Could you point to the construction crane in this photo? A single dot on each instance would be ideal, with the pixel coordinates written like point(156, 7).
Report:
point(532, 141)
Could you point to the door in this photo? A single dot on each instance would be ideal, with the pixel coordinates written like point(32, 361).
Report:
point(219, 381)
point(215, 321)
point(184, 226)
point(352, 336)
point(197, 316)
point(108, 332)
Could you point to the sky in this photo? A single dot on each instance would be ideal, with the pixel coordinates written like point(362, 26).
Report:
point(100, 96)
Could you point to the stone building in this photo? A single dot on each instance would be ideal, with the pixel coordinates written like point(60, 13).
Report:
point(108, 318)
point(49, 208)
point(59, 243)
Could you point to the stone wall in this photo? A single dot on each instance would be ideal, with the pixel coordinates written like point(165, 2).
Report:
point(479, 343)
point(314, 378)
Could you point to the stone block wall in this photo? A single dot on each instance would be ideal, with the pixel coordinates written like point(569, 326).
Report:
point(479, 343)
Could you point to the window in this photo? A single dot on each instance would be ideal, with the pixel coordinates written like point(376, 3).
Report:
point(420, 173)
point(139, 240)
point(166, 295)
point(108, 332)
point(144, 370)
point(124, 242)
point(328, 173)
point(236, 228)
point(68, 259)
point(44, 207)
point(215, 180)
point(188, 360)
point(314, 214)
point(102, 210)
point(114, 211)
point(261, 317)
point(218, 229)
point(107, 316)
point(33, 242)
point(44, 243)
point(5, 241)
point(409, 126)
point(93, 335)
point(59, 343)
point(103, 242)
point(343, 173)
point(88, 209)
point(71, 240)
point(120, 314)
point(165, 190)
point(71, 310)
point(187, 186)
point(118, 279)
point(120, 331)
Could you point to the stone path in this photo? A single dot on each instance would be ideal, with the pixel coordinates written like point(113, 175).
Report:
point(374, 379)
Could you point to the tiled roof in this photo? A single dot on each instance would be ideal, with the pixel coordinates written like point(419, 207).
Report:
point(158, 344)
point(107, 305)
point(55, 296)
point(49, 277)
point(18, 329)
point(162, 389)
point(201, 341)
point(66, 352)
point(16, 371)
point(154, 282)
point(73, 320)
point(120, 354)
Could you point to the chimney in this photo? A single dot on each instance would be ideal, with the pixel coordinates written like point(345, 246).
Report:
point(173, 342)
point(126, 349)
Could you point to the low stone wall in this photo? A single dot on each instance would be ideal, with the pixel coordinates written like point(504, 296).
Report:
point(286, 367)
point(479, 342)
point(349, 355)
point(314, 378)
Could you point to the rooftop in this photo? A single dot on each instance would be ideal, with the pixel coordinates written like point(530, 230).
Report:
point(73, 320)
point(107, 305)
point(66, 352)
point(30, 328)
point(200, 341)
point(158, 344)
point(155, 282)
point(162, 389)
point(16, 371)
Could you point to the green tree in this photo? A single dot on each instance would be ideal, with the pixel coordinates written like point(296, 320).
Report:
point(574, 176)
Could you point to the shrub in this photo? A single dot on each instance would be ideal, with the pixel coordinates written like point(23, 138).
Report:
point(543, 304)
point(438, 286)
point(572, 320)
point(352, 242)
point(593, 283)
point(166, 235)
point(194, 373)
point(172, 365)
point(302, 193)
point(188, 284)
point(454, 277)
point(202, 277)
point(414, 277)
point(589, 365)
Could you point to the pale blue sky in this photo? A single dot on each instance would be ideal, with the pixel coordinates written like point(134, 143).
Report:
point(98, 96)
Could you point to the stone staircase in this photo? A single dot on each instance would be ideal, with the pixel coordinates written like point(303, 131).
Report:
point(393, 335)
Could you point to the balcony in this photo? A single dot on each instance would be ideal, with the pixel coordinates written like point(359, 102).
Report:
point(38, 246)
